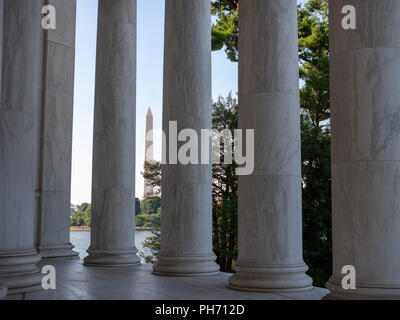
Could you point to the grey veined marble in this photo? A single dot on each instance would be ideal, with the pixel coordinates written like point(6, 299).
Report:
point(20, 102)
point(269, 205)
point(113, 183)
point(186, 237)
point(55, 137)
point(365, 74)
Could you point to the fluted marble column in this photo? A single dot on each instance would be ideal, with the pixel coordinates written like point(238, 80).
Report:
point(3, 288)
point(54, 173)
point(20, 101)
point(113, 183)
point(269, 204)
point(186, 235)
point(365, 108)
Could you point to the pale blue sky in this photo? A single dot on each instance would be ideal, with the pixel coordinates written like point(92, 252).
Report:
point(149, 87)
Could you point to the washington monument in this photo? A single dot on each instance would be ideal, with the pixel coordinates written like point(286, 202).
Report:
point(148, 151)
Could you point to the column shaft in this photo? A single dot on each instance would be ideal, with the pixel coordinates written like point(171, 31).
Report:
point(365, 74)
point(20, 102)
point(186, 222)
point(269, 200)
point(55, 145)
point(3, 288)
point(113, 184)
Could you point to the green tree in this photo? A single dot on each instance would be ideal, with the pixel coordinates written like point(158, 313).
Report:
point(152, 243)
point(225, 185)
point(152, 173)
point(137, 206)
point(148, 220)
point(150, 204)
point(316, 174)
point(88, 216)
point(139, 220)
point(314, 60)
point(225, 28)
point(77, 220)
point(83, 207)
point(316, 166)
point(82, 216)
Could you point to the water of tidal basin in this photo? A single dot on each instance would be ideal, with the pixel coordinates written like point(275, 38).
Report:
point(81, 241)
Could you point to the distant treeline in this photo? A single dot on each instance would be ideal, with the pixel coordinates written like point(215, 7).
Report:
point(147, 213)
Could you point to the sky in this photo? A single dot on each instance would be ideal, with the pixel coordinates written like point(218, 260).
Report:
point(149, 88)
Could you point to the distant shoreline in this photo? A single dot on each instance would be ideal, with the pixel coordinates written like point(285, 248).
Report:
point(84, 228)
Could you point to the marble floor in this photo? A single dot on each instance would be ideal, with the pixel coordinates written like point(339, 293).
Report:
point(76, 282)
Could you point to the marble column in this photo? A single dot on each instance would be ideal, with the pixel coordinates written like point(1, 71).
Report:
point(55, 143)
point(269, 199)
point(22, 59)
point(365, 119)
point(3, 288)
point(186, 227)
point(113, 184)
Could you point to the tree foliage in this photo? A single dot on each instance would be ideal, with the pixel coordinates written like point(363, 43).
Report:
point(225, 28)
point(152, 243)
point(314, 60)
point(82, 216)
point(152, 204)
point(224, 188)
point(137, 206)
point(316, 175)
point(148, 220)
point(316, 165)
point(152, 174)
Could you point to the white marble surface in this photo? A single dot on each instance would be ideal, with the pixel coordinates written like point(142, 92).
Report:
point(269, 204)
point(274, 116)
point(113, 182)
point(186, 238)
point(367, 110)
point(76, 282)
point(54, 176)
point(20, 102)
point(366, 149)
point(271, 21)
point(376, 27)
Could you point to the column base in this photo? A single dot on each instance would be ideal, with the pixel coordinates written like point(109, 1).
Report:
point(186, 265)
point(18, 271)
point(362, 292)
point(285, 278)
point(111, 258)
point(61, 251)
point(3, 291)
